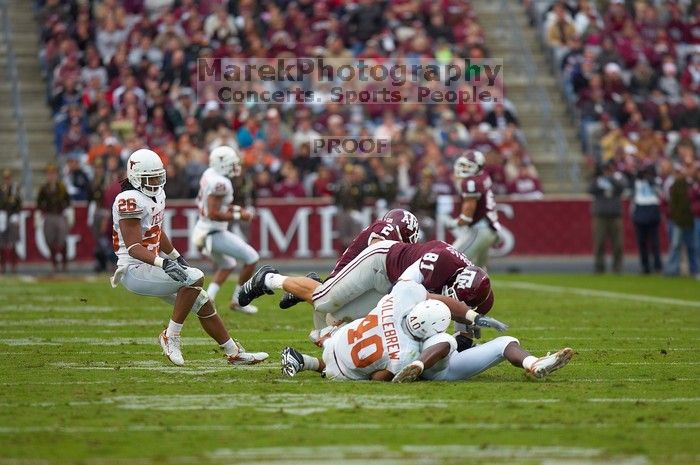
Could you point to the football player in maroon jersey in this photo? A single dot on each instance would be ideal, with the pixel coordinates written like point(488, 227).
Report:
point(396, 225)
point(354, 291)
point(476, 228)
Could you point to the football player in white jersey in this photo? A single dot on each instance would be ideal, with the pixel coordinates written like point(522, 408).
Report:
point(139, 240)
point(211, 235)
point(403, 335)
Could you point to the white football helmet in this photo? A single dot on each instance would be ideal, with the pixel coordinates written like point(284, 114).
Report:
point(225, 161)
point(145, 172)
point(469, 164)
point(427, 319)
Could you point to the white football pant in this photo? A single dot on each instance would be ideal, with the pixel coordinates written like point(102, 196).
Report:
point(356, 290)
point(149, 280)
point(470, 362)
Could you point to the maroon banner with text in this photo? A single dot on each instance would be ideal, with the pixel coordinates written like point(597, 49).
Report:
point(306, 229)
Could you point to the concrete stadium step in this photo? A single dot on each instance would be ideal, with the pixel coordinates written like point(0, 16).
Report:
point(32, 91)
point(501, 44)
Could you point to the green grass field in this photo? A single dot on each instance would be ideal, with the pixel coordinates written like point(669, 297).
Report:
point(84, 381)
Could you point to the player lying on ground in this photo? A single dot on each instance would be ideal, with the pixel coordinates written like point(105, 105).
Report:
point(138, 239)
point(396, 225)
point(369, 276)
point(404, 333)
point(211, 235)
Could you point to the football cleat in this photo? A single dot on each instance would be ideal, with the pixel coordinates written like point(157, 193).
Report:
point(248, 309)
point(255, 286)
point(246, 358)
point(292, 361)
point(171, 348)
point(550, 363)
point(409, 373)
point(289, 300)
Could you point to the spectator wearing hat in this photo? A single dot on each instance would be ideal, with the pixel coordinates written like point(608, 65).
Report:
point(607, 188)
point(646, 217)
point(10, 208)
point(54, 216)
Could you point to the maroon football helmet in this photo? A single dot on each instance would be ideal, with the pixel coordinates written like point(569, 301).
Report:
point(473, 287)
point(406, 222)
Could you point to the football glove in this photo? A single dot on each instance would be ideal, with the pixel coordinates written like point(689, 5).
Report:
point(450, 223)
point(488, 322)
point(183, 263)
point(173, 269)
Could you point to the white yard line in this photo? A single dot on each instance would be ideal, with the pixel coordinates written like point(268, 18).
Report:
point(335, 426)
point(301, 404)
point(79, 322)
point(145, 348)
point(596, 293)
point(78, 308)
point(381, 455)
point(668, 400)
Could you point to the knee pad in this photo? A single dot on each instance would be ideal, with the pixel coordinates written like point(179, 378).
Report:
point(253, 257)
point(200, 301)
point(193, 275)
point(505, 340)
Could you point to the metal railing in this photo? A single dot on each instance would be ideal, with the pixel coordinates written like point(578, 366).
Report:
point(550, 127)
point(17, 112)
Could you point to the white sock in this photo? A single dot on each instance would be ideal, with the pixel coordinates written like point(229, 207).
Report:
point(173, 329)
point(236, 292)
point(212, 290)
point(230, 347)
point(529, 360)
point(310, 363)
point(274, 280)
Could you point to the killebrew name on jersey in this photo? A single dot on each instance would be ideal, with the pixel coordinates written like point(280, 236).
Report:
point(393, 347)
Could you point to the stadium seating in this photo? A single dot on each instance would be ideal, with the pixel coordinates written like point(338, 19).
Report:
point(120, 76)
point(630, 73)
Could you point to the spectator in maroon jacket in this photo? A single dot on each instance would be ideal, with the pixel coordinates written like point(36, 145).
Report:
point(290, 186)
point(525, 185)
point(323, 185)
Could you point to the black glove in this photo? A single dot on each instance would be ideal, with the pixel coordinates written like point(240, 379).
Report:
point(174, 270)
point(181, 260)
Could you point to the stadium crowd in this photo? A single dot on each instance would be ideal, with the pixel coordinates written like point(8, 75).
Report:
point(120, 75)
point(630, 70)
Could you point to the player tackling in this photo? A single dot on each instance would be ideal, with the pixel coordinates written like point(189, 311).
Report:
point(138, 239)
point(211, 235)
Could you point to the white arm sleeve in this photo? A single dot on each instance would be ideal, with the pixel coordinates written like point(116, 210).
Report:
point(412, 273)
point(406, 295)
